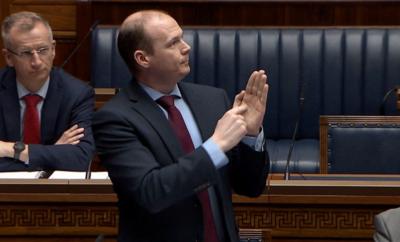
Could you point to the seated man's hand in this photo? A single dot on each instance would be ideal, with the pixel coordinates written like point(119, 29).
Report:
point(6, 149)
point(71, 136)
point(255, 98)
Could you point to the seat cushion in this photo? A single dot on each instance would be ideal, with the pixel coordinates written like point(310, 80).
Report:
point(304, 159)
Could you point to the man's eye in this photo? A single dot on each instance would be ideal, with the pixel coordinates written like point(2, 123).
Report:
point(42, 50)
point(26, 53)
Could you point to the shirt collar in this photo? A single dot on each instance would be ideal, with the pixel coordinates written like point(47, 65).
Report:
point(154, 94)
point(22, 91)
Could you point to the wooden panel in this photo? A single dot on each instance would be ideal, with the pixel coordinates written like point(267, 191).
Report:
point(103, 95)
point(57, 210)
point(262, 12)
point(55, 239)
point(294, 210)
point(262, 235)
point(4, 11)
point(60, 14)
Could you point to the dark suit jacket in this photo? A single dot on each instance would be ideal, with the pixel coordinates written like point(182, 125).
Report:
point(155, 181)
point(68, 102)
point(387, 226)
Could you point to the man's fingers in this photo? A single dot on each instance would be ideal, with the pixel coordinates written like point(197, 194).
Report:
point(77, 137)
point(256, 81)
point(70, 133)
point(264, 96)
point(77, 131)
point(74, 127)
point(74, 139)
point(239, 110)
point(238, 99)
point(260, 84)
point(250, 82)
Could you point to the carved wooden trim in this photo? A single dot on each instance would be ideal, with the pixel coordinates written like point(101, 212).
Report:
point(306, 221)
point(58, 219)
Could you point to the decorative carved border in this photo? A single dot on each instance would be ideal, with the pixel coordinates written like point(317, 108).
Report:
point(59, 216)
point(278, 218)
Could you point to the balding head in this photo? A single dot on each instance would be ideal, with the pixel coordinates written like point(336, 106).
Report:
point(134, 36)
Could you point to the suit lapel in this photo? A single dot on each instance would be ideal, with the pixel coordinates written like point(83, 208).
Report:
point(10, 106)
point(51, 107)
point(144, 105)
point(196, 103)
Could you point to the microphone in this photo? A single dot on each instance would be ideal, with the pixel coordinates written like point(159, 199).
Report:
point(388, 93)
point(100, 238)
point(88, 170)
point(296, 127)
point(45, 174)
point(93, 27)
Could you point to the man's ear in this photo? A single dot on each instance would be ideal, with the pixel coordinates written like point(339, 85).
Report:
point(7, 57)
point(53, 53)
point(141, 58)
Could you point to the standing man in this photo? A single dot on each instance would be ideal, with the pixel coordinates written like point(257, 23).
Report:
point(45, 113)
point(174, 151)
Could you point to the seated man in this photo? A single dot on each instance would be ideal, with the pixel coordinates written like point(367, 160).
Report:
point(174, 151)
point(387, 226)
point(45, 113)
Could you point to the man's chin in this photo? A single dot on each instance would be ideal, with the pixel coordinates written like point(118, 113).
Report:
point(187, 70)
point(41, 78)
point(185, 73)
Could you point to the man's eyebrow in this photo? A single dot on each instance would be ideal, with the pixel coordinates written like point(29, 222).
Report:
point(173, 39)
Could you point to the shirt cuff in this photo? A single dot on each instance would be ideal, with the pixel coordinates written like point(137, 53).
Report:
point(27, 161)
point(217, 156)
point(256, 143)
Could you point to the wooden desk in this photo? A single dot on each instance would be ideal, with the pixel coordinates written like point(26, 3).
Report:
point(57, 210)
point(103, 95)
point(319, 210)
point(296, 210)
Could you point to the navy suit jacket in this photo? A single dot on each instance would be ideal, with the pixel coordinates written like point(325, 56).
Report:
point(68, 101)
point(155, 180)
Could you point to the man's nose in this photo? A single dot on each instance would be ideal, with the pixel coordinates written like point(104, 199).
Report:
point(186, 47)
point(35, 61)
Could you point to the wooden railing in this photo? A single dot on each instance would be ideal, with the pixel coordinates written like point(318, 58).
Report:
point(309, 208)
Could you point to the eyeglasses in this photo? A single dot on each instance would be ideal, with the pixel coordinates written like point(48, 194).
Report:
point(28, 54)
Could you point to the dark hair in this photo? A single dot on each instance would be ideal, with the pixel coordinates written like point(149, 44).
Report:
point(24, 21)
point(132, 37)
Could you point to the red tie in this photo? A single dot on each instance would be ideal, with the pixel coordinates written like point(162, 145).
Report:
point(176, 120)
point(31, 119)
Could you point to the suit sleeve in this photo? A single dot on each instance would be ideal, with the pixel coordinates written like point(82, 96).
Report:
point(381, 232)
point(249, 171)
point(248, 168)
point(136, 173)
point(69, 157)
